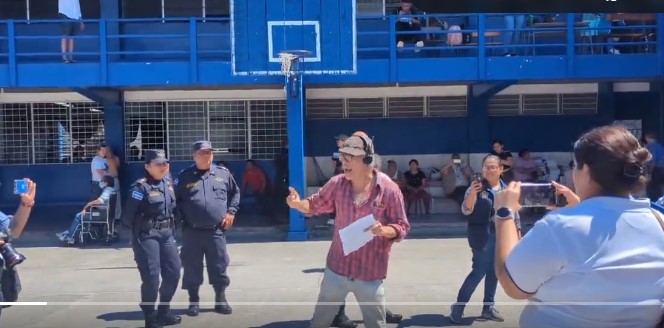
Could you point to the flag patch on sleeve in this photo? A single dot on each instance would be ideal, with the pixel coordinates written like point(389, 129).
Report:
point(137, 195)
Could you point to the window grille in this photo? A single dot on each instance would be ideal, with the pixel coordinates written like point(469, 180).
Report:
point(405, 107)
point(320, 109)
point(145, 128)
point(579, 103)
point(66, 132)
point(540, 104)
point(505, 105)
point(187, 123)
point(366, 107)
point(15, 141)
point(228, 129)
point(267, 128)
point(448, 106)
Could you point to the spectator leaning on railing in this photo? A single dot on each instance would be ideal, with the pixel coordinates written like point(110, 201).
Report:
point(597, 263)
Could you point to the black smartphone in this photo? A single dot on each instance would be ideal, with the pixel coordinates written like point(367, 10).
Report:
point(538, 195)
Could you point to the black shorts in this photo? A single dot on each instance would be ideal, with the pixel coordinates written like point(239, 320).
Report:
point(70, 27)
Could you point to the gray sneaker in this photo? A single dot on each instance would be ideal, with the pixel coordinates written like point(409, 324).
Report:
point(492, 314)
point(456, 314)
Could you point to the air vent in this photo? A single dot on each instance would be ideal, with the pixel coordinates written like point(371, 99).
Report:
point(505, 105)
point(366, 107)
point(447, 106)
point(540, 104)
point(321, 109)
point(405, 107)
point(579, 103)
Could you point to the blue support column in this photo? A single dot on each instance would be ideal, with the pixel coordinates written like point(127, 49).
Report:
point(110, 11)
point(479, 136)
point(295, 107)
point(606, 102)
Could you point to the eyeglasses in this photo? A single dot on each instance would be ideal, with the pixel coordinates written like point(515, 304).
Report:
point(491, 167)
point(346, 158)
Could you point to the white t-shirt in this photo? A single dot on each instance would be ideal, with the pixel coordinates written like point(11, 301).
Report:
point(70, 8)
point(98, 163)
point(606, 252)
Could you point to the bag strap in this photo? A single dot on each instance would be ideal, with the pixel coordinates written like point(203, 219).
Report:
point(659, 218)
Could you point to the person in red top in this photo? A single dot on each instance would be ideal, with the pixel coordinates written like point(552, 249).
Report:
point(361, 191)
point(254, 183)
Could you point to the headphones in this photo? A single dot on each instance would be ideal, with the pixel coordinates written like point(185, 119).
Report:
point(368, 158)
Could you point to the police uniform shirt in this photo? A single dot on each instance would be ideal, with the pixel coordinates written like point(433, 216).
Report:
point(204, 197)
point(154, 200)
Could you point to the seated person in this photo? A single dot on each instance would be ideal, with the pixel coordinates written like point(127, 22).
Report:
point(393, 172)
point(408, 24)
point(415, 187)
point(336, 165)
point(254, 182)
point(525, 168)
point(107, 186)
point(462, 174)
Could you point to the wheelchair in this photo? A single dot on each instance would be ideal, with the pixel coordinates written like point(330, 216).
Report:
point(99, 224)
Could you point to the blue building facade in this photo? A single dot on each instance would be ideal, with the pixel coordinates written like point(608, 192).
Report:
point(142, 83)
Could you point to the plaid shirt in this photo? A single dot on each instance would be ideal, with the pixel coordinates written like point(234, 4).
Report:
point(387, 206)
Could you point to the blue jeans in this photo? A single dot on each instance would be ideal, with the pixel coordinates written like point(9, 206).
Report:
point(513, 22)
point(483, 268)
point(75, 225)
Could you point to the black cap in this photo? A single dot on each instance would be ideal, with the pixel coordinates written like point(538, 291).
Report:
point(155, 156)
point(201, 145)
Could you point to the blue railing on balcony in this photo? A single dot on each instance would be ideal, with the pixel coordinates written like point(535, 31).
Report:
point(197, 40)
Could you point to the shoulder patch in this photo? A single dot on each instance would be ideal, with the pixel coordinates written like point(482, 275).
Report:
point(137, 195)
point(175, 181)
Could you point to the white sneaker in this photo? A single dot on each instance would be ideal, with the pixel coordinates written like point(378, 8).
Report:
point(330, 222)
point(62, 236)
point(400, 44)
point(614, 51)
point(419, 44)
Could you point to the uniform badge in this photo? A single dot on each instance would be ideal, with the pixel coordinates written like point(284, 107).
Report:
point(219, 179)
point(175, 182)
point(484, 194)
point(137, 195)
point(155, 193)
point(191, 185)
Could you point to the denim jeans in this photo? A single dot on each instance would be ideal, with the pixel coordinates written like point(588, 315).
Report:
point(483, 268)
point(513, 22)
point(75, 225)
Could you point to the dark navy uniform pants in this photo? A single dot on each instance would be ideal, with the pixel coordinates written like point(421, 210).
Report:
point(211, 245)
point(156, 253)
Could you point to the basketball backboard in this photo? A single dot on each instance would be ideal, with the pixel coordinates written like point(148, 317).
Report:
point(261, 29)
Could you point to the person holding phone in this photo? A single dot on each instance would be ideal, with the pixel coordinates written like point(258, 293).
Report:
point(16, 223)
point(602, 258)
point(478, 208)
point(462, 174)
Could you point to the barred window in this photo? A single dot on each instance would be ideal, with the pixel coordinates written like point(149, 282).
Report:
point(268, 128)
point(187, 123)
point(145, 128)
point(15, 138)
point(228, 129)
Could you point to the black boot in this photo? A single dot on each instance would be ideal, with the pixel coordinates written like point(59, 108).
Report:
point(341, 320)
point(193, 309)
point(221, 305)
point(151, 319)
point(166, 318)
point(392, 317)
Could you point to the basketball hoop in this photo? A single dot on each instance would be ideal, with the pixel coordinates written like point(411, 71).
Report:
point(290, 61)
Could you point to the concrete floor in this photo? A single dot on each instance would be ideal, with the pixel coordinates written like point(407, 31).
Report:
point(99, 287)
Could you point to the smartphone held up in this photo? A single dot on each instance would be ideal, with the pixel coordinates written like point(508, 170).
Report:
point(20, 187)
point(540, 195)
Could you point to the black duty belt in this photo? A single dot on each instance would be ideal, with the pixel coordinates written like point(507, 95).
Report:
point(204, 227)
point(163, 224)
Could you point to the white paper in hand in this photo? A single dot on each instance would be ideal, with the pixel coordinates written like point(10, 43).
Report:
point(354, 236)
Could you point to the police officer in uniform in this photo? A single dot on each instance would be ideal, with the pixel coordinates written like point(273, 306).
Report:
point(208, 199)
point(150, 214)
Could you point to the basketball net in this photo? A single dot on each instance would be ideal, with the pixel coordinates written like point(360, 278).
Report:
point(286, 63)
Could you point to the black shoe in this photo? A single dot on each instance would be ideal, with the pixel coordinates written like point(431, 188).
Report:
point(151, 321)
point(223, 308)
point(193, 310)
point(392, 317)
point(342, 321)
point(491, 313)
point(168, 319)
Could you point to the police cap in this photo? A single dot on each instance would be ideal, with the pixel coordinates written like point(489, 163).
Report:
point(155, 156)
point(201, 145)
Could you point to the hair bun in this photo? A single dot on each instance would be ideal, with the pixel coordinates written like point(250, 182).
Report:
point(642, 155)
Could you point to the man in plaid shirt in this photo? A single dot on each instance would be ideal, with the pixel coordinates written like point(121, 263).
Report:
point(360, 191)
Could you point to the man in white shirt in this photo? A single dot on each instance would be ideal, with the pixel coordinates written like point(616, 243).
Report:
point(99, 169)
point(70, 11)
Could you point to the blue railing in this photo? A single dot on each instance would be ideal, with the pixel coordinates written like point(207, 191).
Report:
point(482, 37)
